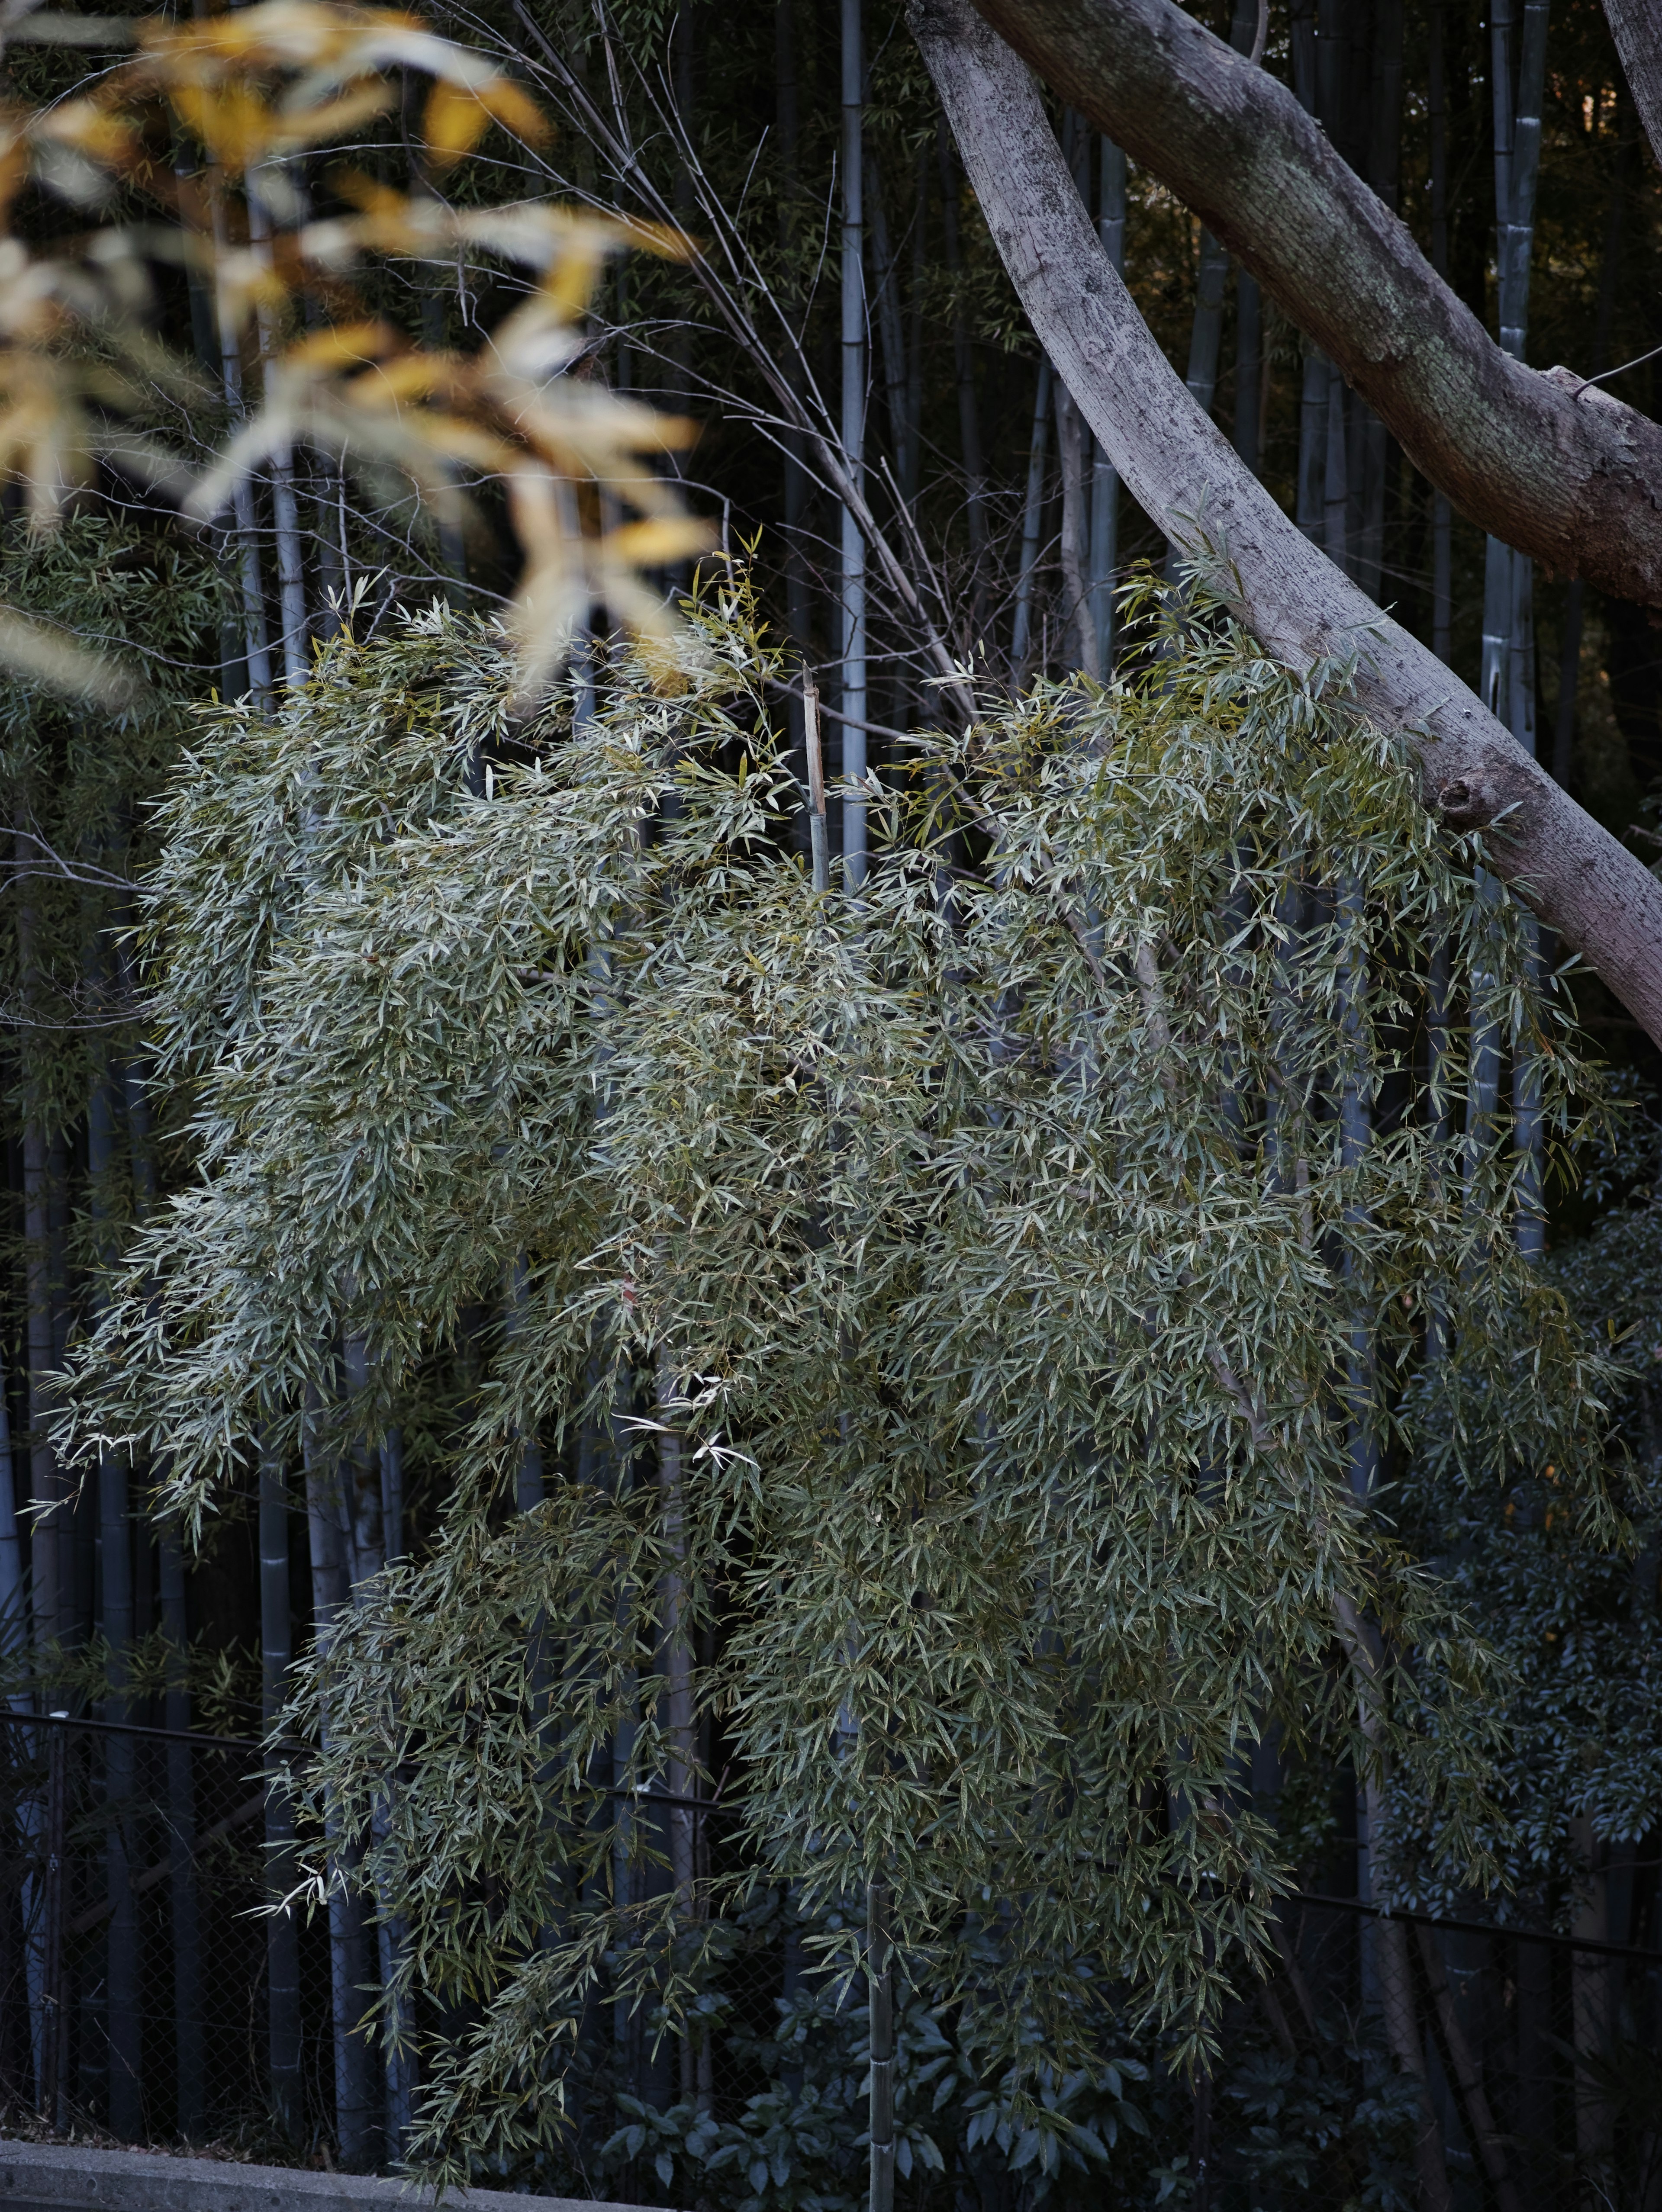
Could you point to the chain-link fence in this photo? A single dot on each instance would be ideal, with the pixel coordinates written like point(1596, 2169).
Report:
point(145, 1993)
point(135, 1965)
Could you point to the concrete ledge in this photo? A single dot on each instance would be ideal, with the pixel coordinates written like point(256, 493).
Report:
point(62, 2177)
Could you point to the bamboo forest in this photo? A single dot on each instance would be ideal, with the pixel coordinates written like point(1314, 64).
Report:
point(830, 967)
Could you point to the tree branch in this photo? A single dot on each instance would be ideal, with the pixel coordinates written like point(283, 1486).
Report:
point(1592, 891)
point(1570, 475)
point(1637, 27)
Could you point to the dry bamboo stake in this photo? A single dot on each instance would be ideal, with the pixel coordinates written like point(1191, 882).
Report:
point(817, 834)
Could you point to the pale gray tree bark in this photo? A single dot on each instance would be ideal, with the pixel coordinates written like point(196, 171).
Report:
point(1599, 895)
point(1566, 475)
point(1637, 27)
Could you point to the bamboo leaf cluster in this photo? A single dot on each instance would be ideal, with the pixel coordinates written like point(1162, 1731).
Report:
point(971, 1323)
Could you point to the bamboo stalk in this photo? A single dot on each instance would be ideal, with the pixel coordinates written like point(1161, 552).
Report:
point(853, 353)
point(283, 2016)
point(880, 2003)
point(121, 1990)
point(1031, 516)
point(1480, 2120)
point(1104, 477)
point(968, 411)
point(190, 2054)
point(818, 836)
point(356, 2102)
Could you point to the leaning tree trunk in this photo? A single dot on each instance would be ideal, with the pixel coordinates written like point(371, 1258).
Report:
point(1637, 27)
point(1566, 476)
point(1600, 897)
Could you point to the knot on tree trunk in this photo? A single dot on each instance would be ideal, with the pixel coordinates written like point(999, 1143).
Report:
point(1480, 796)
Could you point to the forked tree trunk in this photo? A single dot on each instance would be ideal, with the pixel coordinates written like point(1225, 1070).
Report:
point(1637, 27)
point(1566, 476)
point(1600, 897)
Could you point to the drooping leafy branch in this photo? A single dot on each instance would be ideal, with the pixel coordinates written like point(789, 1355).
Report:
point(948, 1300)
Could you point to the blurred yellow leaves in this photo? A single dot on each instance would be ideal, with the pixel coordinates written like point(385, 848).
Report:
point(255, 87)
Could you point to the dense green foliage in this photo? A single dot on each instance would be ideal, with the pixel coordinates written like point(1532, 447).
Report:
point(945, 1304)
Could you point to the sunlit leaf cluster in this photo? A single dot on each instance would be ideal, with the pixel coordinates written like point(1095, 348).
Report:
point(254, 89)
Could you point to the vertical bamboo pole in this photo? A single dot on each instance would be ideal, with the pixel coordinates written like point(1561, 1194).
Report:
point(52, 2063)
point(1206, 331)
point(890, 323)
point(363, 1491)
point(14, 1588)
point(913, 477)
point(1243, 37)
point(1384, 173)
point(1073, 439)
point(1442, 514)
point(190, 2051)
point(283, 2015)
point(1311, 491)
point(48, 1546)
point(676, 1663)
point(528, 1479)
point(285, 508)
point(798, 603)
point(1569, 660)
point(968, 410)
point(820, 842)
point(190, 2047)
point(121, 1993)
point(356, 2099)
point(1032, 512)
point(879, 2003)
point(49, 1578)
point(257, 643)
point(854, 437)
point(1104, 477)
point(15, 2084)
